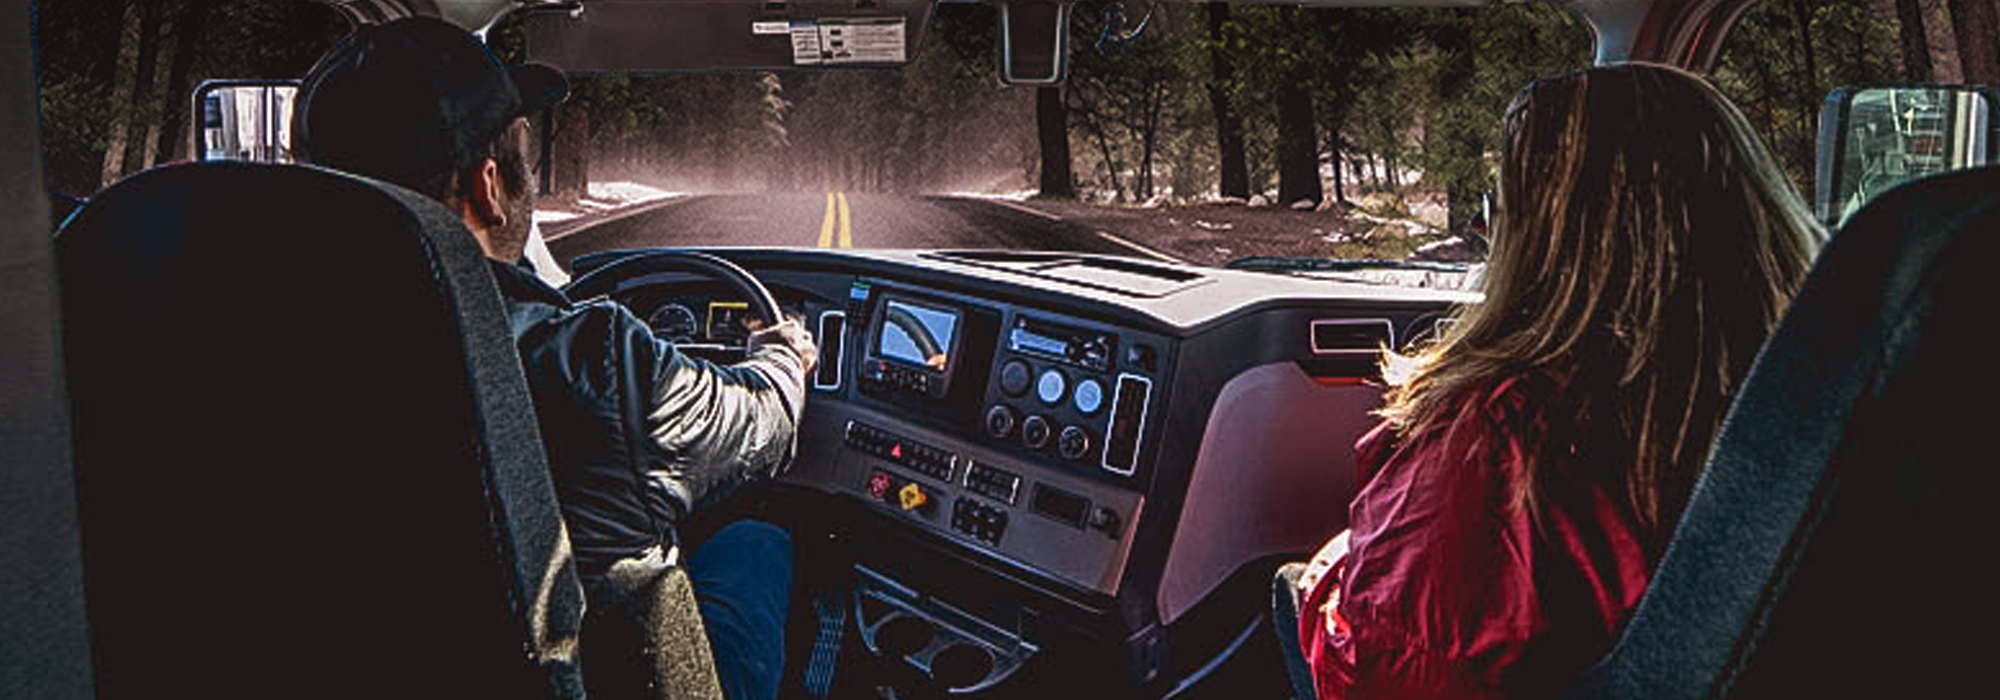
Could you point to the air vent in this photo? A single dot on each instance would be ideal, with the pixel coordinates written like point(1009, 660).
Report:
point(832, 338)
point(1352, 336)
point(1128, 423)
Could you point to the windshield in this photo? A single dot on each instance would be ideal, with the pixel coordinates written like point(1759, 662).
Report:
point(1188, 133)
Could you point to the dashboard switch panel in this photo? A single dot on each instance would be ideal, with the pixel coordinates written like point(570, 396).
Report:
point(997, 484)
point(925, 459)
point(979, 520)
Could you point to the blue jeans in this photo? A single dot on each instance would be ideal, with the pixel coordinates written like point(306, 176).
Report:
point(742, 579)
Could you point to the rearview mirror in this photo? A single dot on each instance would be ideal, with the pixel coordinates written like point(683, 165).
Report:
point(1872, 138)
point(1034, 42)
point(626, 36)
point(247, 120)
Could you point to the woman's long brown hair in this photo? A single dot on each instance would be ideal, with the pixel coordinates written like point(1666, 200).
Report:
point(1644, 246)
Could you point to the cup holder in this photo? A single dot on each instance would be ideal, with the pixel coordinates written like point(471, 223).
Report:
point(961, 665)
point(929, 648)
point(904, 635)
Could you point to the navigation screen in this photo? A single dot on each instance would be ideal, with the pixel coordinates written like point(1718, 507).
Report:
point(917, 334)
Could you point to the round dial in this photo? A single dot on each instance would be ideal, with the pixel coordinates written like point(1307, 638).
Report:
point(1051, 386)
point(1035, 432)
point(675, 323)
point(999, 421)
point(1089, 396)
point(1073, 443)
point(1014, 377)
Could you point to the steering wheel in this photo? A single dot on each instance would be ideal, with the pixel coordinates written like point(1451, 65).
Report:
point(603, 280)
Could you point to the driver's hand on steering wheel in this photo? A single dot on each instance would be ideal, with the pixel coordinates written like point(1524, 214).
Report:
point(790, 334)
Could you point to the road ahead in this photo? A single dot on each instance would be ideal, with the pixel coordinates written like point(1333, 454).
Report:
point(833, 220)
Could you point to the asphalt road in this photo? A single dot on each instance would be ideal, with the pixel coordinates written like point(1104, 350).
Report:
point(832, 220)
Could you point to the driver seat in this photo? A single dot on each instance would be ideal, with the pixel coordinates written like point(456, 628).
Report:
point(1832, 546)
point(306, 459)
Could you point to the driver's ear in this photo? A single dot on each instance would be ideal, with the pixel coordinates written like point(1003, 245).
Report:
point(484, 199)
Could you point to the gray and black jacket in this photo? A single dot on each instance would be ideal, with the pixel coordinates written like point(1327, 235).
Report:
point(638, 435)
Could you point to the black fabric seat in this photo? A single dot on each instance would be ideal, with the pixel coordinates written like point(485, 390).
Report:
point(306, 461)
point(1836, 544)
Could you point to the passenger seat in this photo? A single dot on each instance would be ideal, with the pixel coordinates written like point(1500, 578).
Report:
point(1836, 545)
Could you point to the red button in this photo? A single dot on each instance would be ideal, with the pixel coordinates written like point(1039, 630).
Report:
point(896, 451)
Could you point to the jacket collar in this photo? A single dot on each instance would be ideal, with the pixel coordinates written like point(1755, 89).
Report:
point(517, 282)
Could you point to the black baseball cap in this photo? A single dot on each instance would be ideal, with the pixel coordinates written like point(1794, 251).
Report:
point(409, 100)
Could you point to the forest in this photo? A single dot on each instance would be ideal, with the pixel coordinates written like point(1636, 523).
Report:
point(1262, 103)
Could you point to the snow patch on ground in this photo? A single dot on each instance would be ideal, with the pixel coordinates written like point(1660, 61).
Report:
point(626, 193)
point(602, 197)
point(1021, 196)
point(1411, 227)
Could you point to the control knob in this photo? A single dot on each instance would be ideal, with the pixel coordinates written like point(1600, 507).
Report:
point(1035, 432)
point(1073, 443)
point(1014, 377)
point(1000, 421)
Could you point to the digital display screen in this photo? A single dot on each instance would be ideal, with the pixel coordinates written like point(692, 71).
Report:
point(1061, 505)
point(917, 334)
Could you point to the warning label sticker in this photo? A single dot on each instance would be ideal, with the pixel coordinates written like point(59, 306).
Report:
point(838, 41)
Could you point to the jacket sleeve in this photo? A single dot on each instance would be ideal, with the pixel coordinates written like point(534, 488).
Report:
point(718, 426)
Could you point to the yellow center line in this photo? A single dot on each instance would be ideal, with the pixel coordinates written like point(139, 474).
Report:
point(826, 227)
point(846, 231)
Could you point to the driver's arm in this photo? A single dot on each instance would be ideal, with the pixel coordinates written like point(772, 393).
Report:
point(721, 426)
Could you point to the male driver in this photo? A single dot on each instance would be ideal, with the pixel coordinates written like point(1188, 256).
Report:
point(638, 435)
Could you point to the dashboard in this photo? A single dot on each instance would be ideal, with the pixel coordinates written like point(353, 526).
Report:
point(1029, 451)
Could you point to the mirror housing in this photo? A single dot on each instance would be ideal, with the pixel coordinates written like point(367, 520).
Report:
point(1874, 137)
point(246, 120)
point(1034, 42)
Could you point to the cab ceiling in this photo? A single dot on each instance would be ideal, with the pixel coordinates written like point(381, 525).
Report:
point(1685, 33)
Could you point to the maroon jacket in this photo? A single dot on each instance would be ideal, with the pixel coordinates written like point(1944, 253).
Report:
point(1448, 590)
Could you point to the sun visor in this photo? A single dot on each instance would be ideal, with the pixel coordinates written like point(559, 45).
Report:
point(624, 36)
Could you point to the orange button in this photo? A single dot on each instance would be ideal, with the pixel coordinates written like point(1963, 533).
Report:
point(912, 496)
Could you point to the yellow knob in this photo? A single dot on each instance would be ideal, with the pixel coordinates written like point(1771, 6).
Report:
point(912, 496)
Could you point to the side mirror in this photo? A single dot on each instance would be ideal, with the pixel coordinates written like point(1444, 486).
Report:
point(1874, 137)
point(247, 120)
point(1034, 42)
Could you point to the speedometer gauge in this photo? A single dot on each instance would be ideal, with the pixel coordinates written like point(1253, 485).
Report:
point(675, 323)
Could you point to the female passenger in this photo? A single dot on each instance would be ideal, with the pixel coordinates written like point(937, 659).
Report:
point(1532, 463)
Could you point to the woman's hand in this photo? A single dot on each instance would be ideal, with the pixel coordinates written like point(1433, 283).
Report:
point(1323, 562)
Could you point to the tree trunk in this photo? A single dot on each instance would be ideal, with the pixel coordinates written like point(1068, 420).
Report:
point(1944, 46)
point(1228, 124)
point(157, 91)
point(1978, 41)
point(569, 149)
point(1148, 139)
point(179, 118)
point(1052, 127)
point(1339, 187)
point(1916, 47)
point(1809, 95)
point(121, 96)
point(1298, 162)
